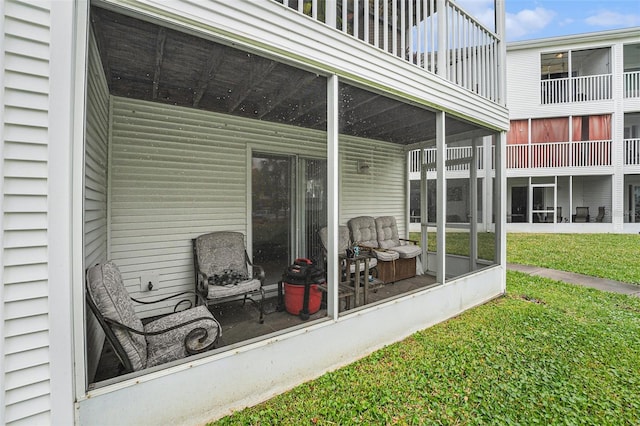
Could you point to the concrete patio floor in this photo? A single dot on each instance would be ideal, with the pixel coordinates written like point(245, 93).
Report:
point(240, 321)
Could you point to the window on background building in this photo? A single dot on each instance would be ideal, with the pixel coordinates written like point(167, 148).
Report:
point(554, 65)
point(591, 128)
point(518, 132)
point(550, 130)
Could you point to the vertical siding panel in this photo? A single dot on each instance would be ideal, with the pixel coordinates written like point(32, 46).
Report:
point(95, 182)
point(24, 331)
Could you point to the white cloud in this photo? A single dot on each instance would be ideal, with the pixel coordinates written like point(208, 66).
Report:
point(482, 10)
point(524, 22)
point(527, 21)
point(566, 21)
point(606, 18)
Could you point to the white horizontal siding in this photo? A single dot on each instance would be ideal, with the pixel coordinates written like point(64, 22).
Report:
point(178, 173)
point(381, 191)
point(523, 83)
point(24, 295)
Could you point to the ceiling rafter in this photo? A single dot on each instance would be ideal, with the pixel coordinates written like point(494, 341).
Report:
point(353, 105)
point(160, 41)
point(101, 42)
point(208, 73)
point(410, 133)
point(259, 69)
point(381, 115)
point(284, 92)
point(311, 107)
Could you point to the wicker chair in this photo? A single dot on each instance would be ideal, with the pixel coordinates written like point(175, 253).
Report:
point(138, 346)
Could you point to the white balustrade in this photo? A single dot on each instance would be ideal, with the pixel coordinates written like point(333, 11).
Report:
point(632, 152)
point(408, 29)
point(458, 158)
point(559, 154)
point(576, 89)
point(632, 84)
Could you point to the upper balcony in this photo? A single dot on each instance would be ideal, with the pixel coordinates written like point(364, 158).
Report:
point(631, 75)
point(576, 76)
point(437, 36)
point(586, 75)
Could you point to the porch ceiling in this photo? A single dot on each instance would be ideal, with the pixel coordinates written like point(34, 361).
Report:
point(143, 60)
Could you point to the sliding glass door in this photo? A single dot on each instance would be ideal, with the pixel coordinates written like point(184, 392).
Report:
point(288, 208)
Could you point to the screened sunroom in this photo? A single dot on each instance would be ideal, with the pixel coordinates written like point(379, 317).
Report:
point(190, 130)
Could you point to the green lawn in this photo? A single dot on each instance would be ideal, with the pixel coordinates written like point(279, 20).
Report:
point(458, 243)
point(613, 256)
point(546, 353)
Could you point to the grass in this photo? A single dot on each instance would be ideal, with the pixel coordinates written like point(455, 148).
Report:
point(546, 353)
point(458, 243)
point(612, 256)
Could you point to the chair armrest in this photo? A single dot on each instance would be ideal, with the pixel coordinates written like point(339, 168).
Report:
point(409, 241)
point(198, 334)
point(198, 296)
point(202, 282)
point(258, 272)
point(369, 248)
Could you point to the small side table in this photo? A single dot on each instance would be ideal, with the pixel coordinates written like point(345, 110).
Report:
point(358, 262)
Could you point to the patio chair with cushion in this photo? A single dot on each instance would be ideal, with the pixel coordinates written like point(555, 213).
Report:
point(346, 285)
point(363, 232)
point(408, 250)
point(549, 216)
point(387, 232)
point(344, 243)
point(601, 213)
point(581, 216)
point(138, 346)
point(222, 270)
point(393, 265)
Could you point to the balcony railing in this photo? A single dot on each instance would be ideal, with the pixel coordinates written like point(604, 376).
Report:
point(466, 52)
point(632, 152)
point(576, 89)
point(559, 154)
point(458, 158)
point(632, 84)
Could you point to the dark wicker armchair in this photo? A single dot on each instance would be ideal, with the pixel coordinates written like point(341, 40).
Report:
point(582, 215)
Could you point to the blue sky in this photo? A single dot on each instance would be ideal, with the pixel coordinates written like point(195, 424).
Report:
point(531, 19)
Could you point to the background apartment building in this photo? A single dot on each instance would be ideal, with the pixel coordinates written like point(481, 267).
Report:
point(573, 149)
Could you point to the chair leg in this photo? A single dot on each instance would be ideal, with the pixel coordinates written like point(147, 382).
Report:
point(261, 321)
point(258, 304)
